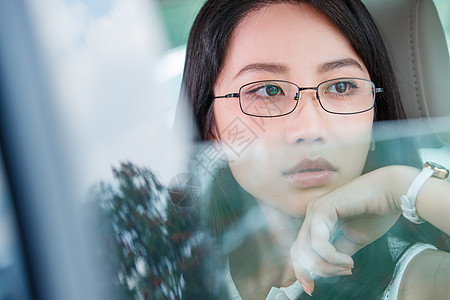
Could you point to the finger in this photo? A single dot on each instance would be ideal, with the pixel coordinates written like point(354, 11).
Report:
point(325, 269)
point(309, 259)
point(345, 245)
point(313, 263)
point(320, 242)
point(304, 277)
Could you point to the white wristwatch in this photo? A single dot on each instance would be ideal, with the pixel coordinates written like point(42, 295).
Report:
point(409, 200)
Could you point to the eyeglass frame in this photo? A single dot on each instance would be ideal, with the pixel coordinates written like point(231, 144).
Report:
point(375, 90)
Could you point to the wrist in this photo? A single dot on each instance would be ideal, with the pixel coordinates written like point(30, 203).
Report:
point(408, 199)
point(400, 178)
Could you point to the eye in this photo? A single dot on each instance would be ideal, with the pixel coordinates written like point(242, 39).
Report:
point(268, 90)
point(272, 90)
point(341, 87)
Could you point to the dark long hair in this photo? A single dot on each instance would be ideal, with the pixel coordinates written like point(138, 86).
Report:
point(206, 49)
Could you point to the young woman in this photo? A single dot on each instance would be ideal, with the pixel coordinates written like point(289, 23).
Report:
point(288, 89)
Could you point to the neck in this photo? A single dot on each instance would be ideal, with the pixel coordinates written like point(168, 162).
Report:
point(283, 228)
point(273, 266)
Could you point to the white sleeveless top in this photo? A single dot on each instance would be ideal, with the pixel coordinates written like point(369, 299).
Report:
point(293, 291)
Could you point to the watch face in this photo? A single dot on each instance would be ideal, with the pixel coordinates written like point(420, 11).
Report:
point(439, 171)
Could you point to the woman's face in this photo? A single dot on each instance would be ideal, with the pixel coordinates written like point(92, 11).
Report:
point(287, 161)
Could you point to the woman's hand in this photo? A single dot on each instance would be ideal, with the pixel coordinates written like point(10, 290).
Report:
point(342, 222)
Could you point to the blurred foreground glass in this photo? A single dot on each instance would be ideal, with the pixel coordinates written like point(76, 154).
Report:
point(13, 280)
point(109, 66)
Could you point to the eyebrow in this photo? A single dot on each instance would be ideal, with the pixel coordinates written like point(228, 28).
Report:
point(262, 67)
point(340, 63)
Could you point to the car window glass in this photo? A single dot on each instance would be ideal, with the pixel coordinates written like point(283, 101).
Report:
point(443, 8)
point(116, 68)
point(13, 275)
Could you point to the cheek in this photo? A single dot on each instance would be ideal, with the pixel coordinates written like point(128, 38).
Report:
point(352, 138)
point(257, 170)
point(353, 129)
point(248, 145)
point(236, 131)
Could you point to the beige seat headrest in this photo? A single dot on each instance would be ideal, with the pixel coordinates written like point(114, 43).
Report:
point(415, 40)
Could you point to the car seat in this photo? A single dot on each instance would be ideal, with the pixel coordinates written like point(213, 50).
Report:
point(416, 43)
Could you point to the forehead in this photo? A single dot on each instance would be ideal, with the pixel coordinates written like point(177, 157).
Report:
point(297, 35)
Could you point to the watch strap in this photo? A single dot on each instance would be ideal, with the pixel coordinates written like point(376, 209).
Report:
point(409, 200)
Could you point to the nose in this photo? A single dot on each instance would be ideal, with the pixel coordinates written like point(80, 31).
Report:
point(307, 123)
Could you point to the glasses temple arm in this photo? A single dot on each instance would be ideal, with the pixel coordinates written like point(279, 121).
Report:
point(233, 95)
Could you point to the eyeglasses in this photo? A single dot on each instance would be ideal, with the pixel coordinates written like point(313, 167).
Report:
point(275, 98)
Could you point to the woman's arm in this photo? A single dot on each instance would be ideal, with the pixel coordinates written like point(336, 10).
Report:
point(427, 276)
point(361, 212)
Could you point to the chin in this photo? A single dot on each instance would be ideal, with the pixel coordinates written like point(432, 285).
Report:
point(294, 201)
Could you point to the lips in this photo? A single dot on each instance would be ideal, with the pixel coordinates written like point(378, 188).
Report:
point(310, 173)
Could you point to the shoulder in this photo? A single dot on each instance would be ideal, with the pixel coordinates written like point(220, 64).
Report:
point(426, 276)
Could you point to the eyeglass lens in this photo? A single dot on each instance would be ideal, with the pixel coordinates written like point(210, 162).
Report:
point(276, 98)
